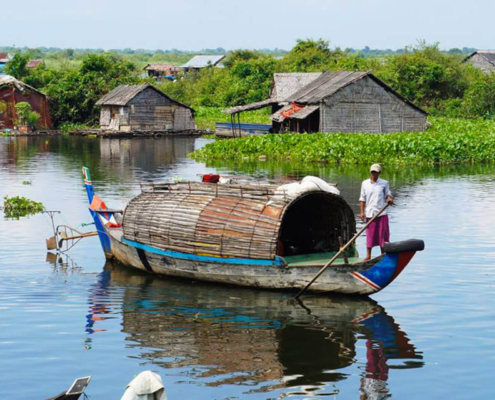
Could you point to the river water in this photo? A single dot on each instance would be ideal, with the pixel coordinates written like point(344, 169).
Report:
point(431, 334)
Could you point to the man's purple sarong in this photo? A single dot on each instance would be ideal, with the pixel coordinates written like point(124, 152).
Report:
point(378, 233)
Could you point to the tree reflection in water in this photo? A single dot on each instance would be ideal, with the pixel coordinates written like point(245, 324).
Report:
point(227, 335)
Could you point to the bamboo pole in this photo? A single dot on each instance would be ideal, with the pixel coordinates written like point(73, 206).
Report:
point(340, 251)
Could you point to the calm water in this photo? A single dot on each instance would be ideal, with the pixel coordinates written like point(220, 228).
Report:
point(431, 334)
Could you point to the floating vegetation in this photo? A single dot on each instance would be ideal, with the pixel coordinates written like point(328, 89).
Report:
point(447, 141)
point(15, 207)
point(27, 182)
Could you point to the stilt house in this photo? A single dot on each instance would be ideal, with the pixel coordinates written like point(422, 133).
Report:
point(482, 59)
point(339, 101)
point(13, 91)
point(130, 108)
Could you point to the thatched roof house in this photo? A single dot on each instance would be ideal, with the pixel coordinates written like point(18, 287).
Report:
point(160, 70)
point(130, 108)
point(13, 91)
point(482, 59)
point(338, 101)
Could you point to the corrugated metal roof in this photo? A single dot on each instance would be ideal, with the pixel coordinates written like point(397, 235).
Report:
point(122, 94)
point(203, 61)
point(7, 80)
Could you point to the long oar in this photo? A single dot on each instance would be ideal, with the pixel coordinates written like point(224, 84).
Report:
point(341, 251)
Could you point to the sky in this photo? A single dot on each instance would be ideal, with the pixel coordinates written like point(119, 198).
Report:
point(254, 24)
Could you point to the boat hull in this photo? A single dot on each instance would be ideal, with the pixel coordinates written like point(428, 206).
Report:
point(362, 278)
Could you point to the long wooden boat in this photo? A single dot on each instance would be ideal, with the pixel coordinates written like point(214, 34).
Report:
point(248, 235)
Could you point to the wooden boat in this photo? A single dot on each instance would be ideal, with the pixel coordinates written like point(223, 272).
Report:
point(247, 235)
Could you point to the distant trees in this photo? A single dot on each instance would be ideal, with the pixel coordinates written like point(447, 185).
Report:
point(436, 80)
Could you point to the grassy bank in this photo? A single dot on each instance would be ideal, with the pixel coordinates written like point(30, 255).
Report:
point(447, 141)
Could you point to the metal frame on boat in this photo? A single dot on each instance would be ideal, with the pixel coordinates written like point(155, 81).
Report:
point(249, 235)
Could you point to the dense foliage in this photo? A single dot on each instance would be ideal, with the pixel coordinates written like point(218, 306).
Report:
point(436, 80)
point(449, 140)
point(73, 92)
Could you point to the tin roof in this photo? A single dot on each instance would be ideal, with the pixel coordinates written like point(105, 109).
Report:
point(7, 80)
point(203, 61)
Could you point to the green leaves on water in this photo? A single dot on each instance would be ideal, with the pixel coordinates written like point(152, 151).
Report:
point(15, 207)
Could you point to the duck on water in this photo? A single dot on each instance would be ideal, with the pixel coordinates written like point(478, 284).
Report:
point(255, 235)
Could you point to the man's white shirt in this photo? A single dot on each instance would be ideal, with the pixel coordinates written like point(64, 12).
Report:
point(375, 196)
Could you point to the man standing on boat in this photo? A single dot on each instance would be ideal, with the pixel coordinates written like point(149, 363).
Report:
point(375, 192)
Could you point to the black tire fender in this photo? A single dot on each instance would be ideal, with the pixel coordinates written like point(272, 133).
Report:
point(404, 246)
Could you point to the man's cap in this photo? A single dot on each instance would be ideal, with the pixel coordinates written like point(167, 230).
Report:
point(376, 168)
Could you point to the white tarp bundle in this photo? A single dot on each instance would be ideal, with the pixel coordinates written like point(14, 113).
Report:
point(146, 386)
point(308, 184)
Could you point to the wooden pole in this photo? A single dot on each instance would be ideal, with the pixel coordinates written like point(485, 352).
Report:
point(341, 244)
point(340, 251)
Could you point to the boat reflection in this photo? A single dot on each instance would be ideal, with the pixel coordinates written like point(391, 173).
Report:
point(265, 340)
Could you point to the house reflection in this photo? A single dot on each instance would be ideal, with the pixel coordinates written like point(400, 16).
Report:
point(226, 335)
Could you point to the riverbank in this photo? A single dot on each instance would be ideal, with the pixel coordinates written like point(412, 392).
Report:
point(448, 140)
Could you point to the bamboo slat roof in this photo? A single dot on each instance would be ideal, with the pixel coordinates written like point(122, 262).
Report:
point(233, 220)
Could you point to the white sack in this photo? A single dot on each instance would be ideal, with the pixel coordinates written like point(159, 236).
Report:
point(308, 184)
point(144, 386)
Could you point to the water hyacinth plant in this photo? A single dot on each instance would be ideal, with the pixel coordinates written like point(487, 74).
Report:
point(15, 207)
point(447, 141)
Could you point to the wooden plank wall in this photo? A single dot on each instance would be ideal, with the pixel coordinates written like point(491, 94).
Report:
point(365, 106)
point(149, 110)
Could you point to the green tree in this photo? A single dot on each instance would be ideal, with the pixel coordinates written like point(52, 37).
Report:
point(17, 67)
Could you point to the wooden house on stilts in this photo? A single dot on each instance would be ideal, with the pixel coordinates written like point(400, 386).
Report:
point(131, 108)
point(339, 101)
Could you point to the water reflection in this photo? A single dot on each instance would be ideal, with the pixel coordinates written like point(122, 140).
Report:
point(262, 339)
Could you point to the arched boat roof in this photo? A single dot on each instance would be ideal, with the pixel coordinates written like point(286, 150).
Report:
point(230, 220)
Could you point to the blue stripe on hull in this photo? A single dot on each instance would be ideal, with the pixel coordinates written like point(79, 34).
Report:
point(382, 273)
point(278, 262)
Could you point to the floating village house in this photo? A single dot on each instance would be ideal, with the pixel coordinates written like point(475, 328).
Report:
point(159, 71)
point(13, 91)
point(482, 59)
point(198, 62)
point(35, 63)
point(131, 108)
point(339, 101)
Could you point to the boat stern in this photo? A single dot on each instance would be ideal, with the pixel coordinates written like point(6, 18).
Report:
point(397, 256)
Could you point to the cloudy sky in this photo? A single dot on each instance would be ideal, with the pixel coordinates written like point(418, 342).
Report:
point(231, 24)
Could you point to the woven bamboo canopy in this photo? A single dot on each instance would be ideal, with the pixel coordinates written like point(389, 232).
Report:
point(237, 221)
